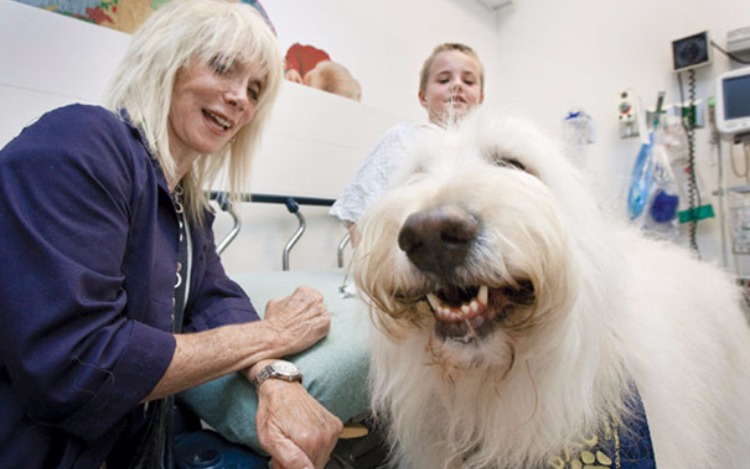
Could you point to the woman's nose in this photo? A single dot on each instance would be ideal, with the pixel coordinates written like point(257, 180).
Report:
point(236, 95)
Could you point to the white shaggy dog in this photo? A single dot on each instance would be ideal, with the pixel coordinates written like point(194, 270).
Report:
point(520, 328)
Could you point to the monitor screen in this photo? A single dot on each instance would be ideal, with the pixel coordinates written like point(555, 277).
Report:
point(691, 52)
point(737, 97)
point(733, 102)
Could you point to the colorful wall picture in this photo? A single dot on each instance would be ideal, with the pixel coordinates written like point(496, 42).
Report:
point(122, 15)
point(305, 64)
point(308, 65)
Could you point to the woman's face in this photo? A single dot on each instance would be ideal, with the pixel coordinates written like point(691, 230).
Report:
point(210, 104)
point(453, 86)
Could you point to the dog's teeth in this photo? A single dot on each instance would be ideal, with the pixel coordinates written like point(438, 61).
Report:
point(450, 315)
point(445, 312)
point(482, 295)
point(434, 301)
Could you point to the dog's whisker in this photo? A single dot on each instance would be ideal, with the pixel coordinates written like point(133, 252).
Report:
point(472, 333)
point(535, 393)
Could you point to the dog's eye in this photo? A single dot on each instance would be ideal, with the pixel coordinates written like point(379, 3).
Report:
point(498, 158)
point(511, 163)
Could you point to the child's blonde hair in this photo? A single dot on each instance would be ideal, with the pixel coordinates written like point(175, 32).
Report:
point(446, 47)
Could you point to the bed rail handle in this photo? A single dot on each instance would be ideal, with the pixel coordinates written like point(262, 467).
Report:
point(293, 208)
point(340, 250)
point(237, 225)
point(291, 203)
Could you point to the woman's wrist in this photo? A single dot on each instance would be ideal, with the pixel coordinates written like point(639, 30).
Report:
point(252, 371)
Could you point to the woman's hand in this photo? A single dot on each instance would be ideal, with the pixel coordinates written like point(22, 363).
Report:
point(298, 320)
point(296, 430)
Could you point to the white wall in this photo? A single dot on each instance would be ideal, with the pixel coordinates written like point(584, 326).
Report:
point(581, 53)
point(542, 57)
point(383, 43)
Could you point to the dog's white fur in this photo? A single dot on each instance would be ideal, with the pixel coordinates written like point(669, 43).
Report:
point(610, 306)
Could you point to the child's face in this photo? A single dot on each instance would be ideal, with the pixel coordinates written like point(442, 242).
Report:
point(453, 86)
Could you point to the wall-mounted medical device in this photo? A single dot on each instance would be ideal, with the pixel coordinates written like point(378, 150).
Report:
point(733, 102)
point(627, 113)
point(691, 52)
point(738, 43)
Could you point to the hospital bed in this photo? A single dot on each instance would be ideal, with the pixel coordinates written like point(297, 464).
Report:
point(335, 369)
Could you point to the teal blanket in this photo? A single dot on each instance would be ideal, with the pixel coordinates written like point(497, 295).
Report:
point(335, 369)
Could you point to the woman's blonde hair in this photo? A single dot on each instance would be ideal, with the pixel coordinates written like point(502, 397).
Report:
point(176, 34)
point(424, 75)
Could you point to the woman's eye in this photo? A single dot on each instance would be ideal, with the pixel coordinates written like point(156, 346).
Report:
point(221, 66)
point(253, 92)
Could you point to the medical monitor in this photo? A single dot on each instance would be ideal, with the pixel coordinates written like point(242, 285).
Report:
point(733, 102)
point(691, 52)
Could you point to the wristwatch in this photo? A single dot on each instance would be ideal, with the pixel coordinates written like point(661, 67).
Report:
point(278, 369)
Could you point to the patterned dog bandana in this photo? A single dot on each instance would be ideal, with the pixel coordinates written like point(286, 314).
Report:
point(612, 448)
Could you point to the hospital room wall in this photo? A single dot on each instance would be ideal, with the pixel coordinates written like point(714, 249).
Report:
point(542, 58)
point(556, 56)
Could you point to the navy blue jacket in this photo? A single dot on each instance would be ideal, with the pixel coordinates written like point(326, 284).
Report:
point(88, 254)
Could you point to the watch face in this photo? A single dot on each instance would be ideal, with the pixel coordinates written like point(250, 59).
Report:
point(279, 369)
point(285, 368)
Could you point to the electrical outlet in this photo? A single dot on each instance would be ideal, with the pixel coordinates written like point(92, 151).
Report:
point(627, 114)
point(626, 107)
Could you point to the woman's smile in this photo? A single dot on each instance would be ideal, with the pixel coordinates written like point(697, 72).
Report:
point(210, 104)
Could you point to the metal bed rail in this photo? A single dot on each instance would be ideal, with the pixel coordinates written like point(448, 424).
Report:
point(291, 203)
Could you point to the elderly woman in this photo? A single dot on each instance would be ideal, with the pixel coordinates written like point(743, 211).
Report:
point(112, 297)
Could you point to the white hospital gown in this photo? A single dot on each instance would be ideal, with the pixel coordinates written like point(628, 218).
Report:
point(373, 177)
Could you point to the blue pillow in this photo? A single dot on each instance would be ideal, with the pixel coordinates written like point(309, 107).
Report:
point(335, 369)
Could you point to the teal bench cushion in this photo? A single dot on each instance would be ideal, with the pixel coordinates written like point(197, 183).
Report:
point(335, 369)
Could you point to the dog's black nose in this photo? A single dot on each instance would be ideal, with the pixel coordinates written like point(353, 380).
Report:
point(438, 240)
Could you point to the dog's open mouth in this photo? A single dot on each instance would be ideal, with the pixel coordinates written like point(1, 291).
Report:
point(466, 314)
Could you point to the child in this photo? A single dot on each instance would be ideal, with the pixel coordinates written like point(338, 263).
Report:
point(451, 84)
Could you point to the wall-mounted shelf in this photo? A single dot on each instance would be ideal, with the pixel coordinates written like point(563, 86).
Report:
point(744, 189)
